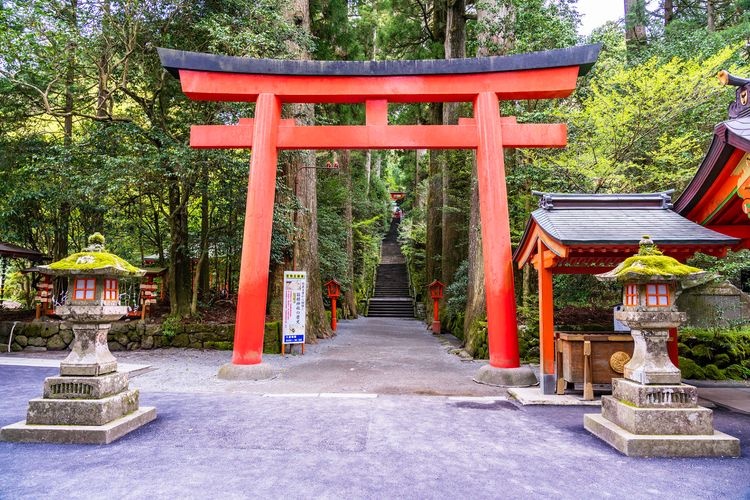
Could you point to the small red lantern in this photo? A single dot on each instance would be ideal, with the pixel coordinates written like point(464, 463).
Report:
point(334, 292)
point(436, 293)
point(334, 289)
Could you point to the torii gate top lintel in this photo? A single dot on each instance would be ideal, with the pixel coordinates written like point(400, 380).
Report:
point(536, 75)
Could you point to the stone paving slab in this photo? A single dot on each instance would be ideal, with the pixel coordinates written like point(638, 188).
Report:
point(534, 396)
point(734, 398)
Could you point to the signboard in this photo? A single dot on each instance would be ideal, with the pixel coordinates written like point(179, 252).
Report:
point(293, 318)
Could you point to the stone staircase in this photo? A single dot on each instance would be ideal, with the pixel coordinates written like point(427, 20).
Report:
point(391, 298)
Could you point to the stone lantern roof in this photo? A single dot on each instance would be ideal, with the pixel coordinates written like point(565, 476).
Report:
point(650, 265)
point(92, 261)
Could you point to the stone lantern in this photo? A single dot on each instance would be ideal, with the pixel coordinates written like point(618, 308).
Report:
point(651, 412)
point(90, 401)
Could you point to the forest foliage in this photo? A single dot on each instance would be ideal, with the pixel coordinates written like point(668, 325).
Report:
point(94, 133)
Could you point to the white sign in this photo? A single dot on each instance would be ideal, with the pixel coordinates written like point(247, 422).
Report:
point(295, 293)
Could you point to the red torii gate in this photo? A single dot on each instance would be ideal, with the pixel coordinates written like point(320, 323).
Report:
point(482, 81)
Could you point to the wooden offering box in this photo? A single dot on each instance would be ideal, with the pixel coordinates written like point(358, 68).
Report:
point(591, 358)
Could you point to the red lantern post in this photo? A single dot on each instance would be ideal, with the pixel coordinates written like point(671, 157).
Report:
point(436, 293)
point(334, 291)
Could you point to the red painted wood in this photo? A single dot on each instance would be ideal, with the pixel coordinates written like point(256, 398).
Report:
point(502, 329)
point(333, 314)
point(722, 191)
point(527, 84)
point(515, 135)
point(546, 317)
point(256, 237)
point(672, 347)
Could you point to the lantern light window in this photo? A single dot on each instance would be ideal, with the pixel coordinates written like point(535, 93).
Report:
point(111, 289)
point(84, 289)
point(657, 295)
point(631, 295)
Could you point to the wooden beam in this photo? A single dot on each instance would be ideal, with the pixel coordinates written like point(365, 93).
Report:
point(543, 83)
point(515, 135)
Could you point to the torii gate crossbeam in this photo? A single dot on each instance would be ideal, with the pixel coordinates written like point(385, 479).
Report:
point(482, 81)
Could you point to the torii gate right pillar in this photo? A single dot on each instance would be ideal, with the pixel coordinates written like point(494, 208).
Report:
point(502, 327)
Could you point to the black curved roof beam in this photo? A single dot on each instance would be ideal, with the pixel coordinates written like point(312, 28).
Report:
point(583, 56)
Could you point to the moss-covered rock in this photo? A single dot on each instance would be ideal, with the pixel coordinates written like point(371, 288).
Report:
point(180, 340)
point(115, 346)
point(722, 360)
point(56, 343)
point(691, 370)
point(219, 346)
point(713, 372)
point(272, 338)
point(67, 336)
point(737, 372)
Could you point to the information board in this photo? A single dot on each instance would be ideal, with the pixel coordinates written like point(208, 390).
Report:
point(295, 312)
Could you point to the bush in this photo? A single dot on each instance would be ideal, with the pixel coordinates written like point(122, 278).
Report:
point(711, 353)
point(690, 369)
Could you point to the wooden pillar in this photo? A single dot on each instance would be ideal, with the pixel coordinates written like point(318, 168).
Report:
point(256, 237)
point(546, 323)
point(673, 348)
point(502, 326)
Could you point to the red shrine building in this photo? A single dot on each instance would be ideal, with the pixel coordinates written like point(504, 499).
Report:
point(591, 234)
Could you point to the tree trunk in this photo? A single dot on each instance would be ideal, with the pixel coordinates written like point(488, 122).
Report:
point(669, 11)
point(493, 39)
point(62, 226)
point(451, 253)
point(710, 15)
point(200, 273)
point(306, 248)
point(349, 300)
point(475, 300)
point(368, 171)
point(203, 284)
point(635, 27)
point(179, 252)
point(434, 244)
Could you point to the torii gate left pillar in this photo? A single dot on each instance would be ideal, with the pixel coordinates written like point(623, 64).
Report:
point(208, 77)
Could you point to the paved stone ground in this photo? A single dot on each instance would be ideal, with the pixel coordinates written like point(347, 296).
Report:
point(283, 439)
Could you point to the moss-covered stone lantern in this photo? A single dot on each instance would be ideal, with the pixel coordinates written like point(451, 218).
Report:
point(651, 283)
point(90, 401)
point(651, 412)
point(91, 303)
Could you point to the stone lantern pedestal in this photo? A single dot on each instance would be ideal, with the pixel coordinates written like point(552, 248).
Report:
point(90, 402)
point(651, 412)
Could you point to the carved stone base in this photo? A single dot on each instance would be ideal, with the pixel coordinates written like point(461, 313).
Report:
point(85, 387)
point(89, 354)
point(654, 396)
point(506, 377)
point(259, 371)
point(81, 411)
point(22, 432)
point(716, 444)
point(658, 421)
point(662, 421)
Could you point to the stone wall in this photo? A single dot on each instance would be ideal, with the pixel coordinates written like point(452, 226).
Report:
point(48, 335)
point(715, 305)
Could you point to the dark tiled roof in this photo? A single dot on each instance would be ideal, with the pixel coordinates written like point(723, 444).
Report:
point(620, 220)
point(728, 136)
point(16, 252)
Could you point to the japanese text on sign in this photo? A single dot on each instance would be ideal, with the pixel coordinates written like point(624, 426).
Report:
point(295, 291)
